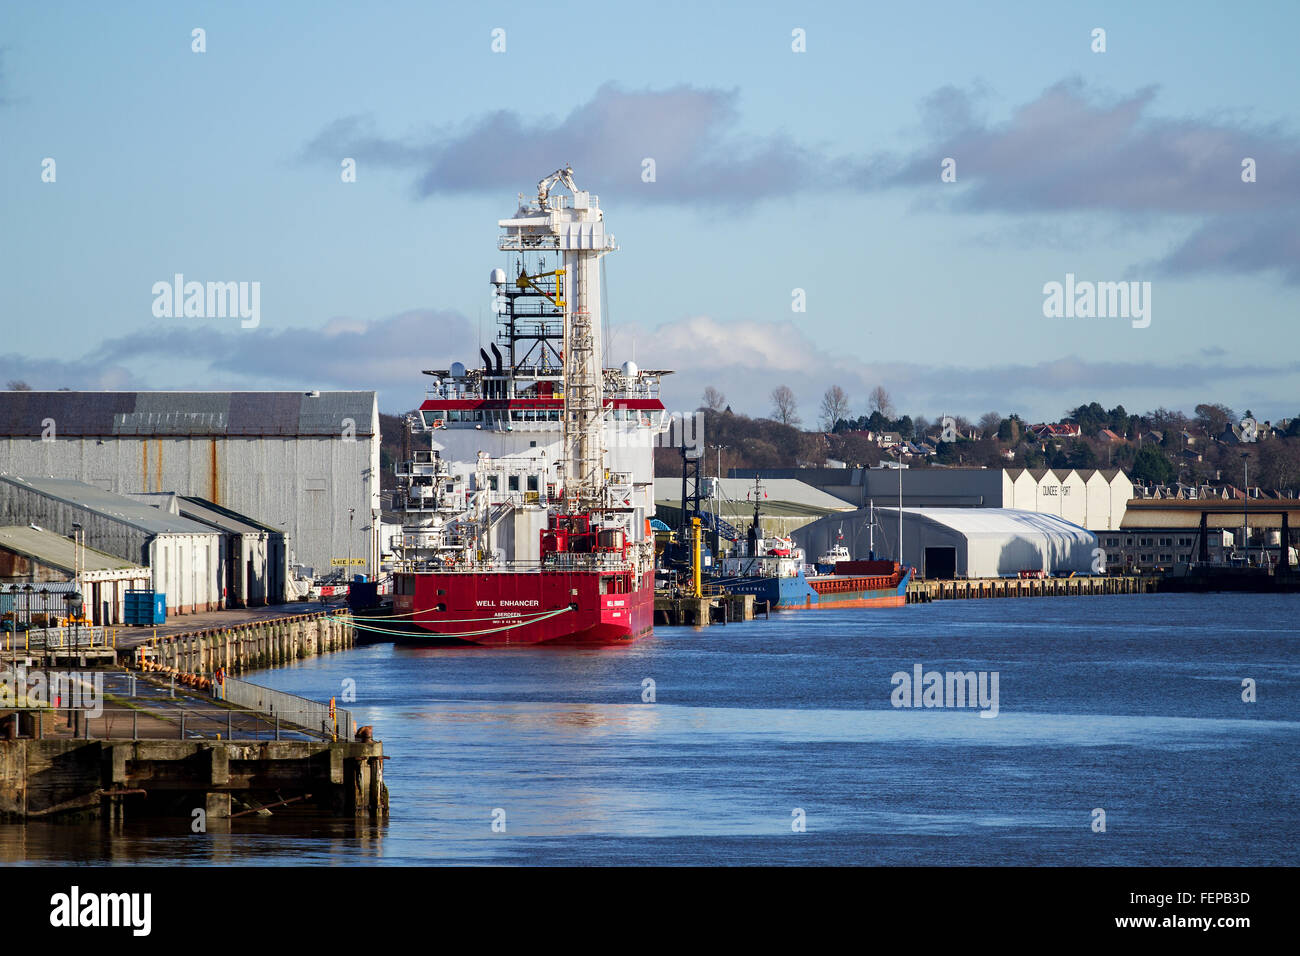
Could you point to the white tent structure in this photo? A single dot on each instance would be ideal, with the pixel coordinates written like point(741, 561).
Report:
point(961, 542)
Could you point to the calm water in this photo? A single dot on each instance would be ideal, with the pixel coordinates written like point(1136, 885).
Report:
point(1129, 704)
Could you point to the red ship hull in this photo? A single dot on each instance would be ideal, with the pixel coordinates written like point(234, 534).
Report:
point(525, 607)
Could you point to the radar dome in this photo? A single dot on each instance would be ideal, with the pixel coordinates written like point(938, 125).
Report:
point(457, 369)
point(630, 369)
point(498, 277)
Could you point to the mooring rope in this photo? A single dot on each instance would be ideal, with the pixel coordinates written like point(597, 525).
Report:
point(516, 622)
point(451, 620)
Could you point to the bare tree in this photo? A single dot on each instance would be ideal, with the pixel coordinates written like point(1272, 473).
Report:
point(879, 401)
point(835, 406)
point(17, 386)
point(989, 424)
point(714, 400)
point(784, 406)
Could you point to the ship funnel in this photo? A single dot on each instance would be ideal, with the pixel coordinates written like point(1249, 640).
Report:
point(497, 352)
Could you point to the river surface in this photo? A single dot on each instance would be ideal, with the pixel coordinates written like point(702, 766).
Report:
point(778, 742)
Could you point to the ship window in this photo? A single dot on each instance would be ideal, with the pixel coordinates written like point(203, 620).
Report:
point(493, 481)
point(553, 415)
point(532, 482)
point(453, 414)
point(512, 483)
point(478, 415)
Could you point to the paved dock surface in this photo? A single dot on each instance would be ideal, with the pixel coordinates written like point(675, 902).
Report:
point(137, 707)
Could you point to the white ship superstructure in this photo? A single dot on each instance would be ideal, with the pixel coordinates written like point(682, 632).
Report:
point(497, 449)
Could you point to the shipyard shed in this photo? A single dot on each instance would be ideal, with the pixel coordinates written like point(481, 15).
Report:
point(303, 462)
point(47, 562)
point(183, 556)
point(254, 561)
point(959, 542)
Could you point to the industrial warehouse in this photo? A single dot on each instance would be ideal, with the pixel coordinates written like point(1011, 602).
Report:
point(305, 463)
point(959, 542)
point(1092, 498)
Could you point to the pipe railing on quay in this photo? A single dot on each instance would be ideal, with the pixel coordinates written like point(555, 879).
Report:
point(171, 723)
point(318, 717)
point(90, 637)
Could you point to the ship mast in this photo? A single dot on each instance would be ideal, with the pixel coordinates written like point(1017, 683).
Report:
point(574, 227)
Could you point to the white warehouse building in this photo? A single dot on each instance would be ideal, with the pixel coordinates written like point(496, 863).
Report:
point(958, 542)
point(1093, 498)
point(184, 556)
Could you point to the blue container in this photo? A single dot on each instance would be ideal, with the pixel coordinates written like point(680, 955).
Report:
point(145, 608)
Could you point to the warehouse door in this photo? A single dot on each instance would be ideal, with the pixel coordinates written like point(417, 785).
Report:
point(941, 563)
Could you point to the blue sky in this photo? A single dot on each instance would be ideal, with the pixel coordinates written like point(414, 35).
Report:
point(775, 170)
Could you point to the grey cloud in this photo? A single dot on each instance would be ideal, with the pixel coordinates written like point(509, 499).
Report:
point(388, 354)
point(688, 132)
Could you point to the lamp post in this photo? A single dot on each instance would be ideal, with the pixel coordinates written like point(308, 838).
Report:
point(27, 590)
point(717, 482)
point(1245, 507)
point(76, 558)
point(352, 512)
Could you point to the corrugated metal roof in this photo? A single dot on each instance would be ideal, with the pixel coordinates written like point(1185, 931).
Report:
point(784, 496)
point(227, 520)
point(137, 514)
point(289, 414)
point(57, 551)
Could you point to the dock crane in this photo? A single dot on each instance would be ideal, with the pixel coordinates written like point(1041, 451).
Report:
point(544, 187)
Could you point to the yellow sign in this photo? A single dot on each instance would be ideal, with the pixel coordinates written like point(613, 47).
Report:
point(344, 562)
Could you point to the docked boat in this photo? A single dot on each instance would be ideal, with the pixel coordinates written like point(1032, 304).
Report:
point(833, 555)
point(526, 518)
point(772, 569)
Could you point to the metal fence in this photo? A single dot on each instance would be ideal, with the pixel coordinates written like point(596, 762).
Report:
point(59, 638)
point(290, 708)
point(172, 723)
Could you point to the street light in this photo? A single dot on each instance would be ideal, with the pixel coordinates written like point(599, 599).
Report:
point(347, 571)
point(76, 558)
point(28, 589)
point(1245, 507)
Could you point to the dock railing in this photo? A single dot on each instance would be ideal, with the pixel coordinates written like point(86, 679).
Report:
point(140, 723)
point(312, 715)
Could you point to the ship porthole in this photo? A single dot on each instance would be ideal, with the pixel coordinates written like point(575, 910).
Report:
point(573, 606)
point(440, 607)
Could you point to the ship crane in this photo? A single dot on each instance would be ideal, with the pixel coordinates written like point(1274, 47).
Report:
point(544, 187)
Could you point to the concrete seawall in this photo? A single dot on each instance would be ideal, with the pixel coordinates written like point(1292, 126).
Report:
point(243, 647)
point(93, 778)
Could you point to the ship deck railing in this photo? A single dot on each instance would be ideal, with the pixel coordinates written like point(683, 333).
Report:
point(570, 562)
